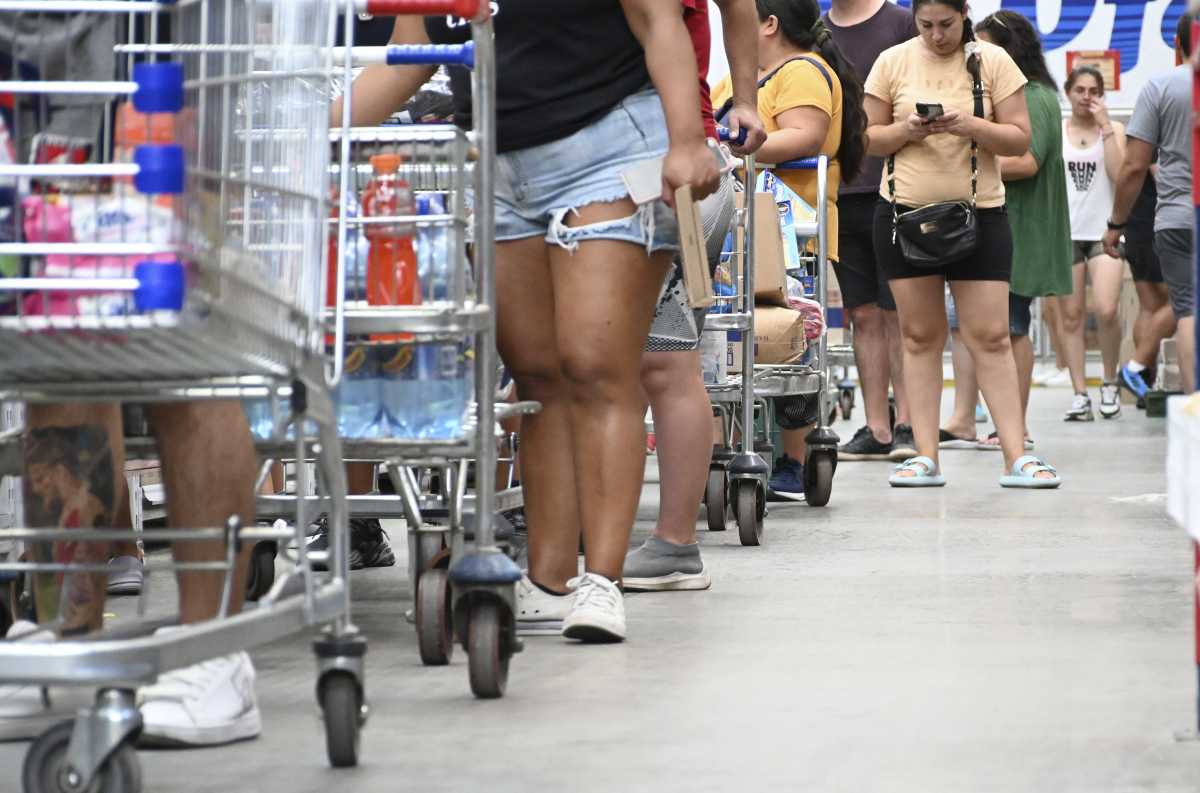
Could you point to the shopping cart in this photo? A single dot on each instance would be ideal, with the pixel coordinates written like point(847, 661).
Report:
point(207, 286)
point(463, 583)
point(738, 475)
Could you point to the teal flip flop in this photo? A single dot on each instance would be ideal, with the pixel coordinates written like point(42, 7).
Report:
point(925, 474)
point(1025, 475)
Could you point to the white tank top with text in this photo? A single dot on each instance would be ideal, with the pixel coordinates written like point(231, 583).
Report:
point(1089, 190)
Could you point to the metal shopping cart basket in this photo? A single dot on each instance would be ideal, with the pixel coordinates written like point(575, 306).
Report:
point(738, 474)
point(463, 591)
point(199, 277)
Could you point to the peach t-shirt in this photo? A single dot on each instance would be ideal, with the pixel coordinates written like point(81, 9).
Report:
point(939, 168)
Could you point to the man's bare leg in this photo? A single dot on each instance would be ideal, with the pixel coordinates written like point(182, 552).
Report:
point(73, 460)
point(209, 467)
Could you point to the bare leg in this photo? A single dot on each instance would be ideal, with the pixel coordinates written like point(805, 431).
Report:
point(1185, 341)
point(208, 465)
point(966, 389)
point(1073, 310)
point(1052, 317)
point(794, 444)
point(891, 326)
point(983, 308)
point(1155, 322)
point(682, 418)
point(527, 344)
point(360, 478)
point(605, 293)
point(871, 357)
point(1107, 273)
point(922, 310)
point(1022, 348)
point(73, 477)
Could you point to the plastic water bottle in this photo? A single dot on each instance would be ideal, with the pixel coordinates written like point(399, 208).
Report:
point(433, 251)
point(448, 389)
point(359, 408)
point(403, 389)
point(392, 263)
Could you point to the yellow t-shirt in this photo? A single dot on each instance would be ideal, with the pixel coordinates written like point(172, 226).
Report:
point(939, 167)
point(801, 84)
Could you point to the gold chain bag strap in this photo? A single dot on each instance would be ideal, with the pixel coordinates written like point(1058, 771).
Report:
point(938, 234)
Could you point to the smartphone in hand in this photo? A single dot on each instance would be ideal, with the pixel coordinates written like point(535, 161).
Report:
point(930, 111)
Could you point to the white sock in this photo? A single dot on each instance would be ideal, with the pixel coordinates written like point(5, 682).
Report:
point(1135, 367)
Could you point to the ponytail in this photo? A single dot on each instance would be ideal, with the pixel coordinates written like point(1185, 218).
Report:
point(800, 22)
point(971, 48)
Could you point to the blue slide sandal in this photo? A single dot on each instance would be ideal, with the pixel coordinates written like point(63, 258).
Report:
point(1025, 475)
point(925, 473)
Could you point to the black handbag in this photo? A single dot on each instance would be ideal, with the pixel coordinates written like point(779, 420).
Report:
point(943, 233)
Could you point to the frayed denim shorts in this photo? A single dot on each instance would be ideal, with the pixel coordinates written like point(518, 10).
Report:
point(539, 187)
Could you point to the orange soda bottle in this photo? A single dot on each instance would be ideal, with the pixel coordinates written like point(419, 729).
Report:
point(392, 260)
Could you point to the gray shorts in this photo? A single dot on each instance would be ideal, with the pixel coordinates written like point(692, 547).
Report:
point(1086, 250)
point(676, 326)
point(1176, 256)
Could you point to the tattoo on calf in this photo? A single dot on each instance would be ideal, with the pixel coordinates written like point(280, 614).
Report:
point(68, 484)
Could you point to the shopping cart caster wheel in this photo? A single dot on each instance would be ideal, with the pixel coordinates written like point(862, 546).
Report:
point(429, 545)
point(46, 769)
point(435, 635)
point(716, 498)
point(749, 501)
point(341, 705)
point(488, 649)
point(261, 576)
point(818, 478)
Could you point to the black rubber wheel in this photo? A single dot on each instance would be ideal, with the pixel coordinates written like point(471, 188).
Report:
point(45, 766)
point(261, 576)
point(341, 704)
point(487, 648)
point(435, 634)
point(818, 479)
point(716, 498)
point(749, 502)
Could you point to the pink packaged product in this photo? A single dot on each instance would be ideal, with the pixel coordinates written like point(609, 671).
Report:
point(49, 219)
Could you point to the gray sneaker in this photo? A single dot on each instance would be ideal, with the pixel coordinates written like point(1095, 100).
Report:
point(125, 575)
point(658, 566)
point(903, 445)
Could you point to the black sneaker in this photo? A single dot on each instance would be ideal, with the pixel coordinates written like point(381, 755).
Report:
point(368, 544)
point(903, 445)
point(864, 446)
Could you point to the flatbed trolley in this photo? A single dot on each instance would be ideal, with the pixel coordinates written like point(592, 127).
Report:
point(735, 477)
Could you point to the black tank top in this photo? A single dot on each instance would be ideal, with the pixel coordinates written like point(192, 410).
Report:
point(560, 65)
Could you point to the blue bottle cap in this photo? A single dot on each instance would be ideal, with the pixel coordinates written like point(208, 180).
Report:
point(162, 169)
point(160, 87)
point(161, 286)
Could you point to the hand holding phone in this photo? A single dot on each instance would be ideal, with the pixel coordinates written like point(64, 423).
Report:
point(930, 111)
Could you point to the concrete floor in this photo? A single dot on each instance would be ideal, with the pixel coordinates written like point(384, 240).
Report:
point(966, 639)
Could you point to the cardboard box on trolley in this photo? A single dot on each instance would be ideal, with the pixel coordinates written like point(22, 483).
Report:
point(770, 265)
point(778, 338)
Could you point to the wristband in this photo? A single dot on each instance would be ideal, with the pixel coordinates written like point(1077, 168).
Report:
point(1116, 226)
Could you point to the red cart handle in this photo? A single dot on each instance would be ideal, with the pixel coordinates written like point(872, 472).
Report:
point(393, 8)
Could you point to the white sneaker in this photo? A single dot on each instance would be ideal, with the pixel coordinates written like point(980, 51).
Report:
point(1110, 401)
point(1081, 409)
point(207, 704)
point(1060, 378)
point(538, 612)
point(599, 611)
point(26, 711)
